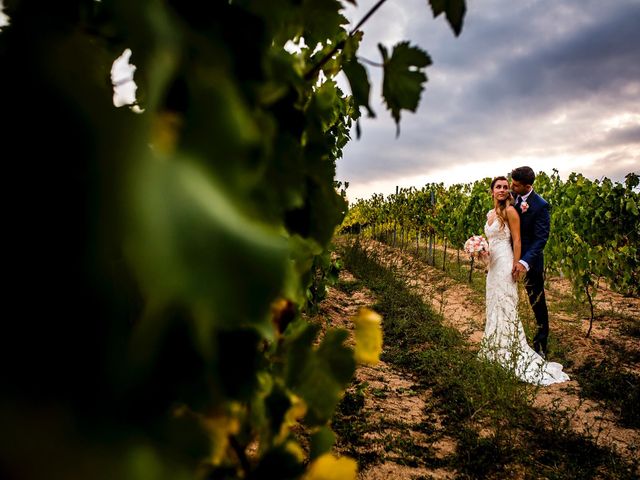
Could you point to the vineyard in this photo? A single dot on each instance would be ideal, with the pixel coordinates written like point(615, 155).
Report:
point(595, 225)
point(178, 302)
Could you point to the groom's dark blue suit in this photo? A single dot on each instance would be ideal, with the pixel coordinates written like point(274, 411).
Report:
point(534, 230)
point(535, 224)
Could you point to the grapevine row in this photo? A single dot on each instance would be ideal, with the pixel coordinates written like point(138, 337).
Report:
point(595, 225)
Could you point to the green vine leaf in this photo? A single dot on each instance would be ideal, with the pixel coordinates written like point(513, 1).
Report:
point(360, 86)
point(323, 21)
point(454, 11)
point(403, 78)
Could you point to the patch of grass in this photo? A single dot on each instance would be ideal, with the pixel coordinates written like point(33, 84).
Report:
point(631, 327)
point(558, 453)
point(617, 314)
point(353, 401)
point(569, 305)
point(618, 389)
point(379, 392)
point(541, 450)
point(349, 286)
point(484, 457)
point(351, 426)
point(406, 390)
point(406, 451)
point(401, 446)
point(558, 352)
point(620, 353)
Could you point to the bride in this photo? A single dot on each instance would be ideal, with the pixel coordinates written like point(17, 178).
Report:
point(504, 339)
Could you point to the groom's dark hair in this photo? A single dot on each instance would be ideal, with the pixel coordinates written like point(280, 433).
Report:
point(524, 175)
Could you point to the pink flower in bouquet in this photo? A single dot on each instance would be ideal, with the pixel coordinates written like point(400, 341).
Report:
point(475, 245)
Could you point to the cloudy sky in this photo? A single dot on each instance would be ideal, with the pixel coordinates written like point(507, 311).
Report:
point(544, 83)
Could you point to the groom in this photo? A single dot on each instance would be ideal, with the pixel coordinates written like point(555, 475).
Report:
point(534, 232)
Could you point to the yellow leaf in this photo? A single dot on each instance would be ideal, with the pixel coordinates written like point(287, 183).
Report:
point(295, 449)
point(368, 336)
point(297, 410)
point(220, 426)
point(328, 467)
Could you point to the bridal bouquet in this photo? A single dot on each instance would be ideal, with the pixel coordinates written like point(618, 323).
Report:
point(476, 246)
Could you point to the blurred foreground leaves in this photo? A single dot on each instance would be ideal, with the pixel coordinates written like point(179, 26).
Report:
point(159, 262)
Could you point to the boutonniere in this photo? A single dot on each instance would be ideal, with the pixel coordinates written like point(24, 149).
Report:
point(524, 206)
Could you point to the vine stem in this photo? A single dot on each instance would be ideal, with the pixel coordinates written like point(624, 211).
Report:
point(369, 62)
point(366, 17)
point(586, 289)
point(340, 45)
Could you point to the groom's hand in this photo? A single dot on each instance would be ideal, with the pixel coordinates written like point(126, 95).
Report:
point(518, 270)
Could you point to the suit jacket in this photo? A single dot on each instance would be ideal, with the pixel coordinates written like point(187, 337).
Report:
point(535, 223)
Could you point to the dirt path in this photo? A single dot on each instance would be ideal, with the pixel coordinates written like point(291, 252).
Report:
point(463, 309)
point(394, 410)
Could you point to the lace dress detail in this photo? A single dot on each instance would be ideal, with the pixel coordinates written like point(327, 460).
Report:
point(504, 339)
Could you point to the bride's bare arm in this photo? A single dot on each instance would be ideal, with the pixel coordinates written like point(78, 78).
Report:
point(514, 226)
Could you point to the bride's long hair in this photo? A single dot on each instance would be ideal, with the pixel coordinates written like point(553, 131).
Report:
point(501, 206)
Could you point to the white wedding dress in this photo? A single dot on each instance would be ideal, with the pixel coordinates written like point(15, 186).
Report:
point(504, 339)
